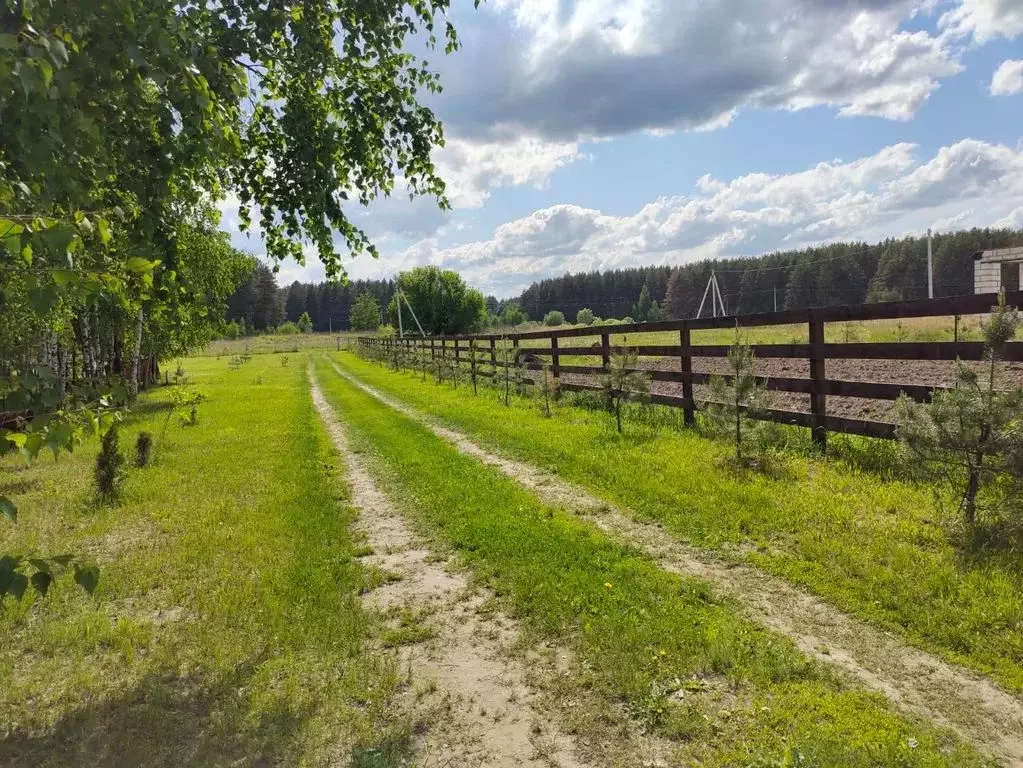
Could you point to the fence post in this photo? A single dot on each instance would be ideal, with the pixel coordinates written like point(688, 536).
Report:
point(555, 358)
point(457, 356)
point(605, 351)
point(493, 356)
point(818, 398)
point(433, 349)
point(685, 340)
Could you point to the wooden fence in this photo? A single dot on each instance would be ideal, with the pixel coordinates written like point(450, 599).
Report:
point(816, 352)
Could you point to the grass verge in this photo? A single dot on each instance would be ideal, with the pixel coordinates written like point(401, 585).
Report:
point(227, 625)
point(664, 647)
point(874, 547)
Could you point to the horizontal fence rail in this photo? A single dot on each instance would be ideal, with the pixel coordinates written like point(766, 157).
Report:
point(460, 351)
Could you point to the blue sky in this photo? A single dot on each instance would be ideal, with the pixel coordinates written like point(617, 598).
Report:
point(594, 134)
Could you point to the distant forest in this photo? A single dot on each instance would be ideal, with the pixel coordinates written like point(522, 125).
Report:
point(827, 275)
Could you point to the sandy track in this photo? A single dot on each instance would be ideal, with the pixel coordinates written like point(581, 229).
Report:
point(490, 720)
point(916, 681)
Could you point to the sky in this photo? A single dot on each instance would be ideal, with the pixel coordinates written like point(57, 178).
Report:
point(600, 134)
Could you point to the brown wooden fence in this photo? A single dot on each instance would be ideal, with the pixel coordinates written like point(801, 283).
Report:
point(816, 353)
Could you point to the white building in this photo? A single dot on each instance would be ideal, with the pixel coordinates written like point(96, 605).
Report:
point(991, 270)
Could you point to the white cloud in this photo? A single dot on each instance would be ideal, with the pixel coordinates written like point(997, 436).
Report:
point(985, 19)
point(1008, 78)
point(597, 68)
point(471, 169)
point(886, 194)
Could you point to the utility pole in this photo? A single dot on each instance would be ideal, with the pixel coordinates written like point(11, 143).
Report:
point(776, 298)
point(930, 267)
point(401, 331)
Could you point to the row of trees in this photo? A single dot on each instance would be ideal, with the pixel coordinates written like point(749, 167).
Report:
point(124, 122)
point(840, 273)
point(440, 300)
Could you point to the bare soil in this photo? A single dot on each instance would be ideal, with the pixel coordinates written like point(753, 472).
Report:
point(932, 373)
point(914, 680)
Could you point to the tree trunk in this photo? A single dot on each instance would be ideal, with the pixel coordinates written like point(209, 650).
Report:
point(133, 385)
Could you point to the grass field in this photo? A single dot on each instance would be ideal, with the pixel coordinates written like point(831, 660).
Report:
point(640, 634)
point(227, 625)
point(229, 629)
point(875, 546)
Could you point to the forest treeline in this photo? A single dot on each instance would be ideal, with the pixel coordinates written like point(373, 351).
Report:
point(828, 275)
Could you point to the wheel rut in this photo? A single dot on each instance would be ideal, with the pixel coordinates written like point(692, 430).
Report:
point(488, 715)
point(916, 681)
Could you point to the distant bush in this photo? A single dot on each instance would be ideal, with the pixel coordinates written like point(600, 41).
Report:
point(554, 318)
point(513, 315)
point(627, 321)
point(305, 323)
point(288, 329)
point(584, 317)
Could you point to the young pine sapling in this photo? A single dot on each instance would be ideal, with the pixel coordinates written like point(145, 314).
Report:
point(970, 437)
point(738, 395)
point(623, 384)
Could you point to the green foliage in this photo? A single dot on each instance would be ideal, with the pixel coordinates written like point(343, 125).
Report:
point(554, 318)
point(512, 314)
point(971, 437)
point(737, 397)
point(641, 309)
point(305, 323)
point(584, 317)
point(109, 470)
point(288, 329)
point(365, 313)
point(656, 314)
point(442, 302)
point(143, 448)
point(622, 383)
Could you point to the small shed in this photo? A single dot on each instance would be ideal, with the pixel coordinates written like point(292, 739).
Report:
point(997, 269)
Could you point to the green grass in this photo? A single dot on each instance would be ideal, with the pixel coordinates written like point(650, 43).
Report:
point(227, 625)
point(639, 633)
point(872, 546)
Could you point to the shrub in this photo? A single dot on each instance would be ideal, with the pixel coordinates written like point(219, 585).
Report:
point(513, 315)
point(109, 472)
point(554, 318)
point(143, 448)
point(584, 317)
point(288, 329)
point(305, 323)
point(971, 437)
point(626, 321)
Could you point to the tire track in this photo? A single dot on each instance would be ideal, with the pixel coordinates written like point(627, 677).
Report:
point(490, 720)
point(914, 680)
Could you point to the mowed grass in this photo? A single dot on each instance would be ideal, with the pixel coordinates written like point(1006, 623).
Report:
point(279, 343)
point(873, 546)
point(227, 626)
point(663, 646)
